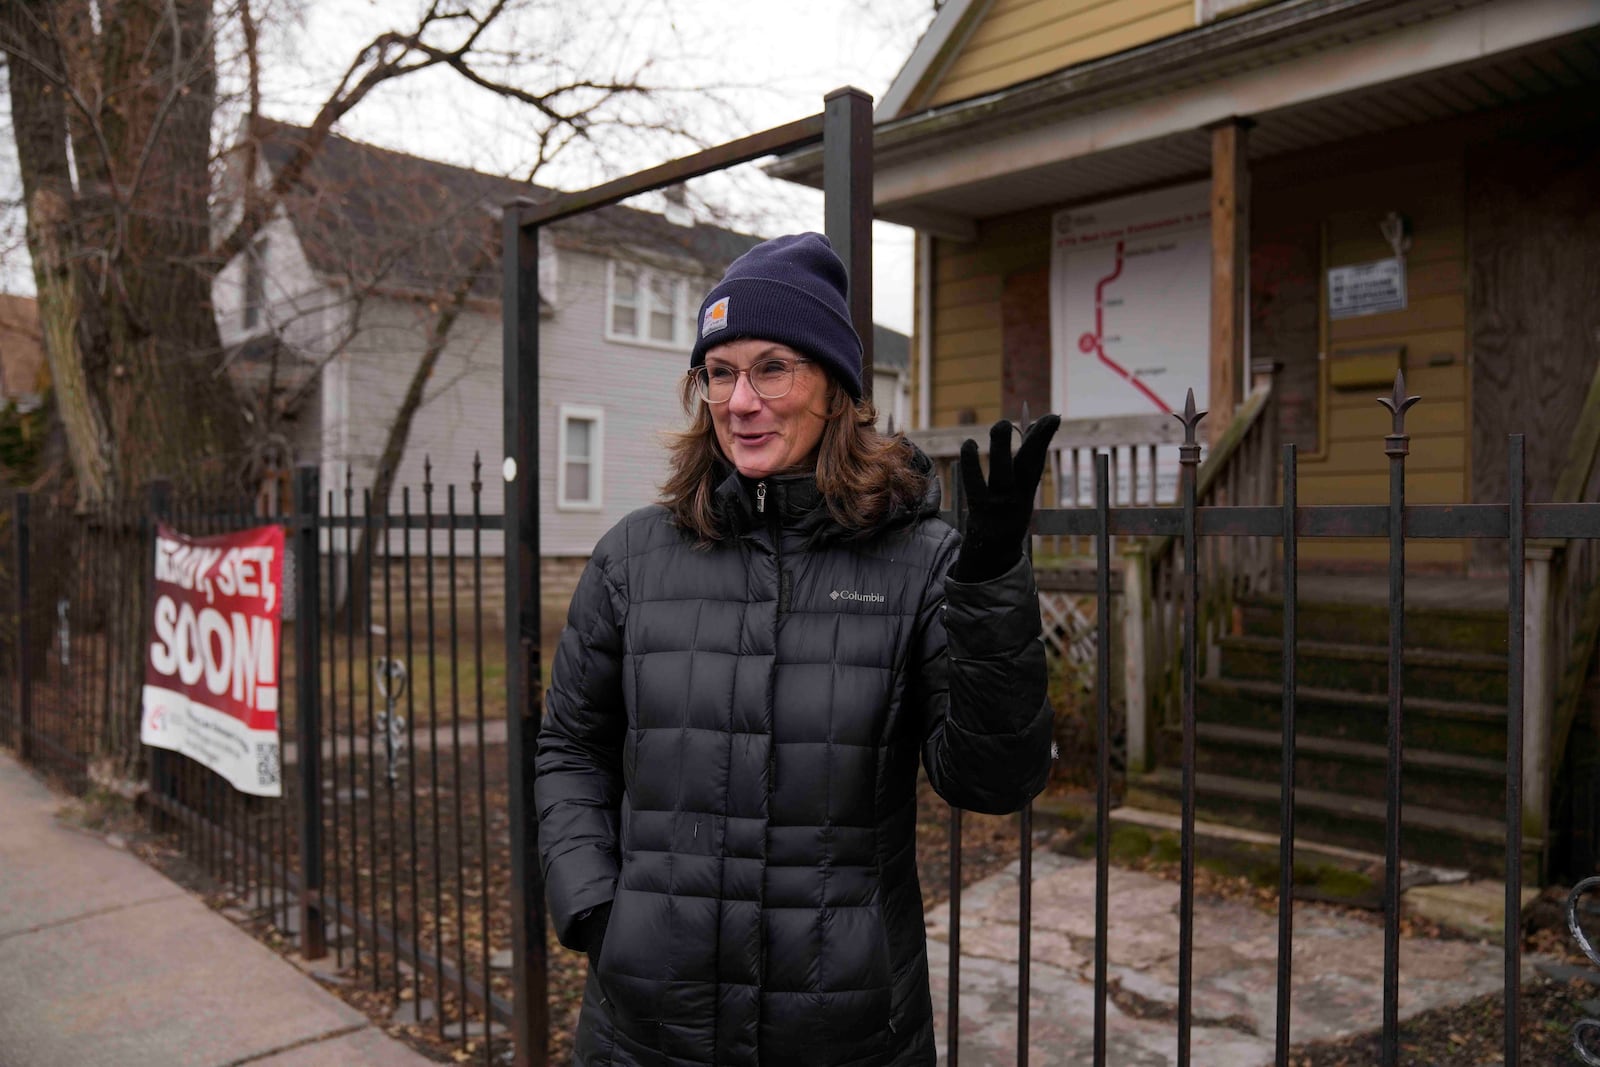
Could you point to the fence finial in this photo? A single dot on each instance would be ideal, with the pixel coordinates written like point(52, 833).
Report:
point(1191, 421)
point(1398, 441)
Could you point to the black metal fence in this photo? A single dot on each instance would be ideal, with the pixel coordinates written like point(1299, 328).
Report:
point(388, 849)
point(1264, 534)
point(1287, 523)
point(402, 843)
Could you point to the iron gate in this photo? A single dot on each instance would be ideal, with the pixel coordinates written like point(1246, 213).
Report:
point(88, 696)
point(845, 129)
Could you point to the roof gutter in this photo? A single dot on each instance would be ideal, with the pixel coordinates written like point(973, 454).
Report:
point(1203, 54)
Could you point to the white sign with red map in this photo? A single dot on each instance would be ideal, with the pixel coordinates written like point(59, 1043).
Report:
point(1130, 303)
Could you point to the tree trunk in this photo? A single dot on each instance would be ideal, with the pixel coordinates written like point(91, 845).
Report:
point(39, 119)
point(172, 413)
point(121, 261)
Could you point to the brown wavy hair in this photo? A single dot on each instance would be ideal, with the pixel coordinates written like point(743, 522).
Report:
point(864, 476)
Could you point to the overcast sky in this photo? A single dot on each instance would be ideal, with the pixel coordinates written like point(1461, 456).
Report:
point(732, 69)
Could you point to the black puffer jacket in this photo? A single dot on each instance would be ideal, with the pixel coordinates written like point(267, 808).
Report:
point(729, 756)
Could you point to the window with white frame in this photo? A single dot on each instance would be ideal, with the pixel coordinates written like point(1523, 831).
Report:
point(255, 283)
point(549, 274)
point(648, 306)
point(578, 464)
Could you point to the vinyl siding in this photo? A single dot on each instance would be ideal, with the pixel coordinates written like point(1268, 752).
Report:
point(460, 414)
point(299, 307)
point(1021, 39)
point(635, 386)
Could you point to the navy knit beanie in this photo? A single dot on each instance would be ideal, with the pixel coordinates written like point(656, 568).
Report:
point(791, 290)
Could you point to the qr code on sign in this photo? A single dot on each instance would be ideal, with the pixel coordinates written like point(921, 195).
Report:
point(267, 762)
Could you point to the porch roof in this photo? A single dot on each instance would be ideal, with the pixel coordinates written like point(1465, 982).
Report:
point(1307, 72)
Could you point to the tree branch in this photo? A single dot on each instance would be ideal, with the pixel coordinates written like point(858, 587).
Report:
point(15, 53)
point(180, 85)
point(321, 128)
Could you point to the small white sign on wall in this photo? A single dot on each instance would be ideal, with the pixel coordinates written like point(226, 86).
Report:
point(1206, 10)
point(1367, 288)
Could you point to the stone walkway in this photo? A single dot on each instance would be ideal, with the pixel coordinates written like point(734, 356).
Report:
point(1338, 978)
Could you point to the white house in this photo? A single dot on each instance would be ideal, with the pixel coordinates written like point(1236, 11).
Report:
point(891, 381)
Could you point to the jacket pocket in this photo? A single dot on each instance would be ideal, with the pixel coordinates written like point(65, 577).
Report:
point(630, 1001)
point(888, 968)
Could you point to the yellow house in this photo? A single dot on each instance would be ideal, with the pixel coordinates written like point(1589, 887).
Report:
point(1279, 204)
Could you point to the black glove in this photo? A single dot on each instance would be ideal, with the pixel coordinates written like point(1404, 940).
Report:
point(998, 513)
point(592, 930)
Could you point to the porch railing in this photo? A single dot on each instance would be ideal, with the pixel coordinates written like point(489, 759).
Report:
point(1241, 471)
point(1142, 451)
point(1142, 458)
point(1563, 582)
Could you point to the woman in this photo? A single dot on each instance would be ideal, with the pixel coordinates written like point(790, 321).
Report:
point(750, 672)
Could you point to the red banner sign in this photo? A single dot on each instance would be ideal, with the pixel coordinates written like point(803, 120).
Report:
point(211, 670)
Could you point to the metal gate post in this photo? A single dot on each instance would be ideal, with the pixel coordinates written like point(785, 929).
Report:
point(847, 204)
point(23, 508)
point(160, 506)
point(1137, 606)
point(519, 310)
point(308, 709)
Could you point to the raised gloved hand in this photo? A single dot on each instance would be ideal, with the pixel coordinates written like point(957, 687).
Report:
point(999, 511)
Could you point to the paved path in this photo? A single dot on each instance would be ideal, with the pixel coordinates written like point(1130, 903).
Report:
point(103, 961)
point(1338, 978)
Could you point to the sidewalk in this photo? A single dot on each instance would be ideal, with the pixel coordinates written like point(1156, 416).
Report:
point(103, 961)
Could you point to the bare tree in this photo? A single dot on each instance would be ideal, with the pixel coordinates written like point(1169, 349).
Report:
point(113, 107)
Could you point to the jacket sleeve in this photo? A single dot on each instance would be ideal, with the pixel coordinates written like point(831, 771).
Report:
point(578, 766)
point(979, 674)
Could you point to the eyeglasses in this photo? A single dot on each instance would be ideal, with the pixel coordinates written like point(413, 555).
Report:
point(770, 378)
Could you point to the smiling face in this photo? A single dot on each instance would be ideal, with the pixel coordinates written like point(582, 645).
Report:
point(759, 436)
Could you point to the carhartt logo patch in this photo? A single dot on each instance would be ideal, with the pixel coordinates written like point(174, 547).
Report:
point(860, 598)
point(715, 318)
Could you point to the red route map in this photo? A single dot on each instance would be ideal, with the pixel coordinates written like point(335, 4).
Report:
point(1095, 342)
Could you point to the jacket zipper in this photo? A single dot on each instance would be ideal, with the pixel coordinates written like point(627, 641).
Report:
point(775, 528)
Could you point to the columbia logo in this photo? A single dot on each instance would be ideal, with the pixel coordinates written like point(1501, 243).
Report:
point(851, 594)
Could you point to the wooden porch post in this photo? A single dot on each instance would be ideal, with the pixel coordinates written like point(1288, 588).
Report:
point(1230, 275)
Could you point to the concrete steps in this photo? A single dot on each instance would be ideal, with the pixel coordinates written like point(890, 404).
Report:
point(1427, 835)
point(1470, 785)
point(1454, 731)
